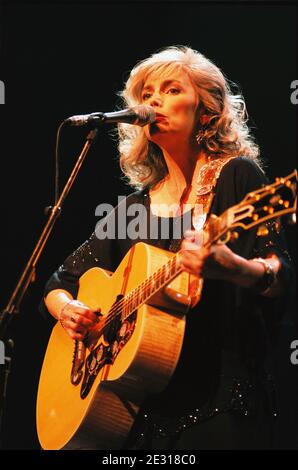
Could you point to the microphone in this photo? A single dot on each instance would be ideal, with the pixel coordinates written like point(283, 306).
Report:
point(138, 115)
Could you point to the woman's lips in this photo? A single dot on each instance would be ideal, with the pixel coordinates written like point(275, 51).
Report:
point(160, 117)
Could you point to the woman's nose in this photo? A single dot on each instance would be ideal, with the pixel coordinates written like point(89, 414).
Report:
point(155, 100)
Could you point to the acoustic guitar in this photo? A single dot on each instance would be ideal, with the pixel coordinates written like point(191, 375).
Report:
point(90, 391)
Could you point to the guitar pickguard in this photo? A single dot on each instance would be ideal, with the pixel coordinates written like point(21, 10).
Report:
point(106, 352)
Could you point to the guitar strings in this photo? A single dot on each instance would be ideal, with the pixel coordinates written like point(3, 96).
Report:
point(116, 309)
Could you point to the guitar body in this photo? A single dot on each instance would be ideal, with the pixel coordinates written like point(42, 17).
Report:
point(120, 369)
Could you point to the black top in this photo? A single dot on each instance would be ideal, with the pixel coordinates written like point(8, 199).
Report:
point(230, 332)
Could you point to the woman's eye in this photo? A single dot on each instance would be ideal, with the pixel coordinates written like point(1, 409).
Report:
point(173, 91)
point(146, 96)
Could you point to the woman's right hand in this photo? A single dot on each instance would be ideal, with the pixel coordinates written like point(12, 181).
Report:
point(77, 319)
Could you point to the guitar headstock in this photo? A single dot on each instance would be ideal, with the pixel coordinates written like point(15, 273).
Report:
point(270, 202)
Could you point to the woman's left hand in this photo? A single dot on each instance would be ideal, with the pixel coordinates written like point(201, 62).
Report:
point(217, 262)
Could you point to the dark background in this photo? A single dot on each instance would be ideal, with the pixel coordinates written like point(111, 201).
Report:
point(69, 58)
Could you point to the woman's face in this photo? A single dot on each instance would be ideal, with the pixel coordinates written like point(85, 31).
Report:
point(175, 102)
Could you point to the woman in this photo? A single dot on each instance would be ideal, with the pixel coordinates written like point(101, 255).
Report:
point(222, 393)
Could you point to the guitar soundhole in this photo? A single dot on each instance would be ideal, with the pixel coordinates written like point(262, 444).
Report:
point(117, 336)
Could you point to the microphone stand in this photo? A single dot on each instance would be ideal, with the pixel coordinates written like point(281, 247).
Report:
point(28, 276)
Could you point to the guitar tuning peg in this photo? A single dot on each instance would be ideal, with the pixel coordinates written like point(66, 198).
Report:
point(262, 231)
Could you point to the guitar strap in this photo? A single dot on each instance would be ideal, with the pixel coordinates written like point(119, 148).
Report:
point(206, 184)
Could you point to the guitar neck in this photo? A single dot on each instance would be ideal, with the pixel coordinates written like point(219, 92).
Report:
point(215, 229)
point(258, 207)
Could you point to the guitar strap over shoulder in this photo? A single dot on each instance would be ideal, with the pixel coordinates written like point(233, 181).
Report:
point(206, 184)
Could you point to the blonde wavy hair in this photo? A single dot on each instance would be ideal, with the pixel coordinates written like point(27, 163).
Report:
point(226, 134)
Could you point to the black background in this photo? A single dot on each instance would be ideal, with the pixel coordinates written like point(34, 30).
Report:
point(60, 59)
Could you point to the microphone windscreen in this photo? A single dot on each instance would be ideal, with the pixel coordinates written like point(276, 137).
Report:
point(146, 114)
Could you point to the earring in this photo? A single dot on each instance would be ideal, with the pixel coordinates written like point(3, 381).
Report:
point(201, 134)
